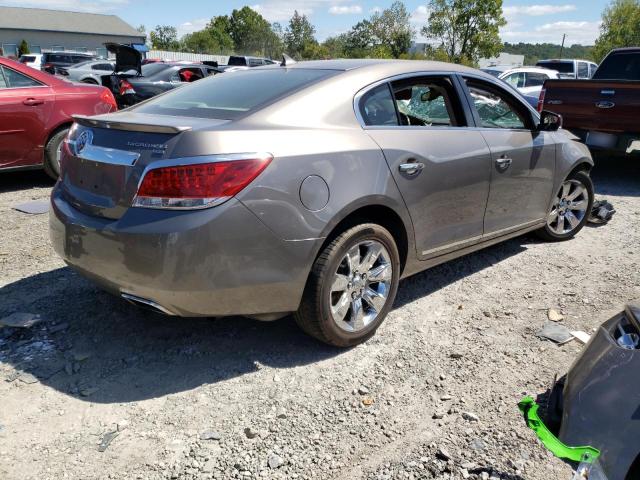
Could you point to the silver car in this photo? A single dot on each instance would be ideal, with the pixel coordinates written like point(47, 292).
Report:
point(310, 189)
point(88, 72)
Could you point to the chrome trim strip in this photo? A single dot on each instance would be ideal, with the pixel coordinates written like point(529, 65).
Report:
point(106, 155)
point(479, 238)
point(145, 301)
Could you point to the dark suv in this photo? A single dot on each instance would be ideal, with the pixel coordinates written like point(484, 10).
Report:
point(52, 61)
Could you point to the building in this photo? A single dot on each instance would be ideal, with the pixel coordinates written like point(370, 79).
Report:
point(57, 31)
point(503, 61)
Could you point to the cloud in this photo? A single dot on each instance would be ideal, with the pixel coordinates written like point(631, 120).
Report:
point(92, 6)
point(578, 32)
point(537, 10)
point(282, 10)
point(192, 26)
point(345, 10)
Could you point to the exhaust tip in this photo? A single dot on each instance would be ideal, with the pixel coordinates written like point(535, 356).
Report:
point(146, 304)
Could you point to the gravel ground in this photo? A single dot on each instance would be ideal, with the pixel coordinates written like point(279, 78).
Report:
point(101, 389)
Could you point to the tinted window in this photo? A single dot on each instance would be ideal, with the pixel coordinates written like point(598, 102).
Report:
point(619, 66)
point(57, 57)
point(190, 74)
point(152, 68)
point(493, 108)
point(583, 70)
point(102, 66)
point(232, 95)
point(237, 61)
point(377, 107)
point(3, 83)
point(515, 79)
point(27, 59)
point(424, 102)
point(562, 67)
point(16, 80)
point(535, 79)
point(79, 58)
point(592, 69)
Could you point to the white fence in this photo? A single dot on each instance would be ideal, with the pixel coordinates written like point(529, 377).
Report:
point(194, 57)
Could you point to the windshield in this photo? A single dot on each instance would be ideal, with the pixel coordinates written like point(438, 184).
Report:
point(152, 68)
point(619, 66)
point(231, 95)
point(561, 67)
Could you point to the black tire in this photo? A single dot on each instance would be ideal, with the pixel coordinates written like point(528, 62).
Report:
point(314, 315)
point(90, 81)
point(51, 163)
point(548, 234)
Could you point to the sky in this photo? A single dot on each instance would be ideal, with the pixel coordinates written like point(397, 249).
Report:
point(535, 22)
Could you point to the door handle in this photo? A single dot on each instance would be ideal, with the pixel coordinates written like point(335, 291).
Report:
point(32, 102)
point(503, 163)
point(412, 168)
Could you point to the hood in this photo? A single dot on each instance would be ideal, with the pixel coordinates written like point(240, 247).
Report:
point(127, 58)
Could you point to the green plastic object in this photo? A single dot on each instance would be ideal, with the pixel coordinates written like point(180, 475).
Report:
point(529, 408)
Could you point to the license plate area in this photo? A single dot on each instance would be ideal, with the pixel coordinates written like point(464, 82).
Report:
point(601, 140)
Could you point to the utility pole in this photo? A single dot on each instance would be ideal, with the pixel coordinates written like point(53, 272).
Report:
point(564, 35)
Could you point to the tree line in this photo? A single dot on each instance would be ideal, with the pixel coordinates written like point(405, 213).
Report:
point(459, 31)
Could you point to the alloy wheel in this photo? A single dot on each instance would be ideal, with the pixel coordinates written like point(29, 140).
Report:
point(361, 285)
point(569, 207)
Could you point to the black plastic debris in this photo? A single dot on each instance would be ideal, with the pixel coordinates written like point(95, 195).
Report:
point(34, 207)
point(601, 212)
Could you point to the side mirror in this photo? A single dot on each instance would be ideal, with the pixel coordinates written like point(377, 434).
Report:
point(549, 121)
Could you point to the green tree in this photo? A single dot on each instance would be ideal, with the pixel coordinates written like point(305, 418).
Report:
point(251, 33)
point(23, 48)
point(466, 29)
point(620, 27)
point(220, 30)
point(164, 37)
point(360, 40)
point(392, 28)
point(299, 36)
point(200, 42)
point(537, 51)
point(335, 46)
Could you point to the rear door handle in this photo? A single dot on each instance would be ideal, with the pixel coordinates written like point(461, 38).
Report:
point(503, 163)
point(32, 102)
point(412, 168)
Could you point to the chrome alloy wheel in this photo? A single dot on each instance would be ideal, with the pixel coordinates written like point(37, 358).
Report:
point(361, 286)
point(569, 207)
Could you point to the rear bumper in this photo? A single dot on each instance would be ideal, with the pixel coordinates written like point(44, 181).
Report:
point(215, 262)
point(618, 144)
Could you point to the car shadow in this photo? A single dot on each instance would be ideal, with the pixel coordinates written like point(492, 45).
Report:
point(616, 177)
point(24, 180)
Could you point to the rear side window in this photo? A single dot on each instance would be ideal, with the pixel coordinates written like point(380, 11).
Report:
point(426, 102)
point(232, 95)
point(377, 107)
point(583, 70)
point(515, 79)
point(619, 66)
point(535, 79)
point(15, 79)
point(102, 66)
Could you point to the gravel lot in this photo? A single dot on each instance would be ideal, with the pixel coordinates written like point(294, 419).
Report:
point(432, 395)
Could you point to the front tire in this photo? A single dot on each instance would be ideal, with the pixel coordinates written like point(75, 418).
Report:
point(52, 153)
point(352, 286)
point(570, 209)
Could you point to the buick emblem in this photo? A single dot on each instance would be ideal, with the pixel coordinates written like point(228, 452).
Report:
point(84, 139)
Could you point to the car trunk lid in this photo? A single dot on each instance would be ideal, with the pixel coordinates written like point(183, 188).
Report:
point(107, 157)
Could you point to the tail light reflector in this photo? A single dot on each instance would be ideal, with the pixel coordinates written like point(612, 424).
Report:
point(126, 88)
point(198, 185)
point(107, 97)
point(543, 92)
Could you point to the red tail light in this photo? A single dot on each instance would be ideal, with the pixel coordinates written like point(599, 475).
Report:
point(543, 92)
point(199, 185)
point(107, 97)
point(47, 66)
point(126, 88)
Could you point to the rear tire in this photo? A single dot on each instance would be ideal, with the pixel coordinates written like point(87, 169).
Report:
point(90, 81)
point(570, 210)
point(52, 153)
point(351, 287)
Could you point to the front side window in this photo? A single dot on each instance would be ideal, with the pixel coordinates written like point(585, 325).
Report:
point(15, 79)
point(377, 107)
point(493, 108)
point(425, 102)
point(516, 80)
point(233, 95)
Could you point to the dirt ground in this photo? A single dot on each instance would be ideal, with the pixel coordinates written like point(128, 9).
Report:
point(101, 389)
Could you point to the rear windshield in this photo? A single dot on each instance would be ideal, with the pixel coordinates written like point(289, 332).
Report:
point(231, 95)
point(152, 68)
point(26, 58)
point(619, 66)
point(562, 67)
point(237, 61)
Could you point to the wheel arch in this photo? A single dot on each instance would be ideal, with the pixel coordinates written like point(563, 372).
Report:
point(582, 165)
point(59, 127)
point(378, 212)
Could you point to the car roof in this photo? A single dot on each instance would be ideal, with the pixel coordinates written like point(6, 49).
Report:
point(530, 69)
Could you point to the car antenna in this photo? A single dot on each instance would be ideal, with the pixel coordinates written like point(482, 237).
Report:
point(287, 60)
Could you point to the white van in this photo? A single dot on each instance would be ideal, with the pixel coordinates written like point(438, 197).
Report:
point(33, 60)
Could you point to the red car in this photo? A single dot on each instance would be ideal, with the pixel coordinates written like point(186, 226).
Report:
point(35, 115)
